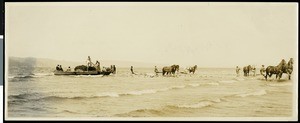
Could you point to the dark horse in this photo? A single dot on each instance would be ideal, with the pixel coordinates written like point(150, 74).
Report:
point(192, 69)
point(247, 70)
point(288, 68)
point(170, 69)
point(278, 70)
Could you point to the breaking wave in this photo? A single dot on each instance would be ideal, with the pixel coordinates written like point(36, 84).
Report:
point(199, 84)
point(197, 105)
point(228, 81)
point(36, 96)
point(280, 84)
point(255, 93)
point(35, 75)
point(25, 76)
point(169, 109)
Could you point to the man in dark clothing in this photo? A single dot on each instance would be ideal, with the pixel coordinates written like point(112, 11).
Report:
point(131, 69)
point(57, 67)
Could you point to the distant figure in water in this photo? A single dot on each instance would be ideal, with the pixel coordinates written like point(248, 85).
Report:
point(115, 69)
point(254, 71)
point(131, 69)
point(262, 70)
point(69, 69)
point(156, 70)
point(237, 70)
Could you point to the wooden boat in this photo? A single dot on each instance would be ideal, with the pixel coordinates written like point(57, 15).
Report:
point(81, 73)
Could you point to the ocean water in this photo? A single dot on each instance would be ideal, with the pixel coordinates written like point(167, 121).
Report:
point(210, 92)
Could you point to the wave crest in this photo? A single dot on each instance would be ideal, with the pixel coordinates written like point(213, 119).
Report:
point(197, 105)
point(256, 93)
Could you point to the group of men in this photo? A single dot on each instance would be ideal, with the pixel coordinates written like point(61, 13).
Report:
point(91, 64)
point(59, 68)
point(262, 70)
point(97, 65)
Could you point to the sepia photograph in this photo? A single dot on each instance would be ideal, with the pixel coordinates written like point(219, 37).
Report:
point(182, 61)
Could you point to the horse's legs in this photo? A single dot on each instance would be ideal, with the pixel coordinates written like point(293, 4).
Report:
point(289, 74)
point(279, 76)
point(266, 76)
point(270, 75)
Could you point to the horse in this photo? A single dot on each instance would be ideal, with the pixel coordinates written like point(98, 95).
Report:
point(192, 69)
point(170, 69)
point(288, 68)
point(113, 69)
point(247, 69)
point(176, 68)
point(278, 70)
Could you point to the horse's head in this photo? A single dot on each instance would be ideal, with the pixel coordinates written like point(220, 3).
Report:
point(283, 62)
point(291, 61)
point(177, 67)
point(249, 67)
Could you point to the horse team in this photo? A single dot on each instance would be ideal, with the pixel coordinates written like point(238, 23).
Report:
point(281, 68)
point(172, 69)
point(278, 70)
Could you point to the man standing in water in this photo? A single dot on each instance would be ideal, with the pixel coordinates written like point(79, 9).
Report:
point(155, 70)
point(237, 70)
point(131, 69)
point(254, 71)
point(115, 69)
point(262, 70)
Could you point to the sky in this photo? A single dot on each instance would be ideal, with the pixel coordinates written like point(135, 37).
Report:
point(207, 34)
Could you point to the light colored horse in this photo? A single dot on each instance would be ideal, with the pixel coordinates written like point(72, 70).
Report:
point(170, 69)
